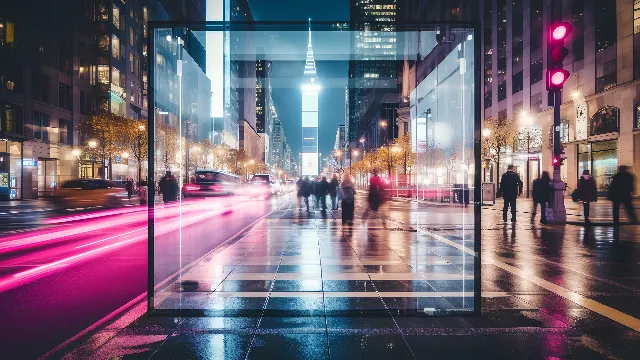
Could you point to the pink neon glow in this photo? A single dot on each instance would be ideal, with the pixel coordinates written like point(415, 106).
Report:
point(103, 231)
point(559, 32)
point(558, 78)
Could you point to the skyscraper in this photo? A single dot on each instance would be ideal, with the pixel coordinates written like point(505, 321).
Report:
point(310, 89)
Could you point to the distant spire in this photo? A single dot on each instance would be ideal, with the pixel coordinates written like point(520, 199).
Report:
point(310, 65)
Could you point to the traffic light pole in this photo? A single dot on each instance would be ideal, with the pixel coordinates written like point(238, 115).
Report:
point(558, 186)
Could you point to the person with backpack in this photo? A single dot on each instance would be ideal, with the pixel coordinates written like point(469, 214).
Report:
point(348, 194)
point(541, 195)
point(588, 192)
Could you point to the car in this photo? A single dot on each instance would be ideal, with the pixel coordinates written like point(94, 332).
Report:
point(211, 183)
point(263, 185)
point(90, 192)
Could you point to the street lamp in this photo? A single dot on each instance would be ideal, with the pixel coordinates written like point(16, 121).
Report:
point(486, 132)
point(125, 155)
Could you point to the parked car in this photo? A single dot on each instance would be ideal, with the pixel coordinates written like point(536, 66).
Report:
point(90, 192)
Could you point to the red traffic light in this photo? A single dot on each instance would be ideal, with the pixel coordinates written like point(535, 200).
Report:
point(556, 161)
point(559, 31)
point(557, 77)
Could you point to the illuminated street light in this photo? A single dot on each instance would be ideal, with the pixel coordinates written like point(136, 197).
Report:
point(76, 152)
point(141, 128)
point(486, 132)
point(125, 155)
point(92, 143)
point(383, 123)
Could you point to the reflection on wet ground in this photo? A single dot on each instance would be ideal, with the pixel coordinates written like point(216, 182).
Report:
point(301, 286)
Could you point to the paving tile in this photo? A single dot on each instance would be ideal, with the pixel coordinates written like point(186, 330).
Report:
point(356, 347)
point(289, 346)
point(204, 346)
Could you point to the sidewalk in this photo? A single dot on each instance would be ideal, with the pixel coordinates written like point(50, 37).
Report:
point(280, 291)
point(601, 211)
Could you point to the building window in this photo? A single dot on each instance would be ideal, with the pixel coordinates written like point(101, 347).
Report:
point(40, 87)
point(536, 72)
point(103, 74)
point(536, 25)
point(131, 36)
point(103, 43)
point(115, 47)
point(131, 62)
point(65, 128)
point(577, 12)
point(65, 100)
point(116, 17)
point(536, 103)
point(101, 11)
point(12, 119)
point(636, 124)
point(502, 90)
point(517, 82)
point(40, 125)
point(7, 33)
point(605, 121)
point(606, 49)
point(564, 131)
point(115, 77)
point(636, 39)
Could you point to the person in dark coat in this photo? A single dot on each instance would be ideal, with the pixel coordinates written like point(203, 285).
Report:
point(322, 191)
point(541, 196)
point(588, 192)
point(348, 195)
point(306, 191)
point(333, 192)
point(168, 187)
point(129, 186)
point(510, 188)
point(621, 189)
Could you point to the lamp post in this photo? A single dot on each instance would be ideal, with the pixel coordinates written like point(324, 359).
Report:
point(141, 128)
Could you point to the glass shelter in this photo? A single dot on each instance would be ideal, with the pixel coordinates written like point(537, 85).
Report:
point(231, 127)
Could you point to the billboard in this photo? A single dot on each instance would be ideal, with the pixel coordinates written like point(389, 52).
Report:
point(309, 164)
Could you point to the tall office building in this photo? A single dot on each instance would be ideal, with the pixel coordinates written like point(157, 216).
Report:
point(374, 67)
point(264, 120)
point(310, 89)
point(601, 99)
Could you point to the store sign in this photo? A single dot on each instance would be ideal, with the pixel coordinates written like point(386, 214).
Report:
point(582, 122)
point(27, 163)
point(534, 157)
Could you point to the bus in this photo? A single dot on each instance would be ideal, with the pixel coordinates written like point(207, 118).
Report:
point(211, 183)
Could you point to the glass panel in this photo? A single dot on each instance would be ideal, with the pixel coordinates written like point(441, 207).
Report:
point(195, 268)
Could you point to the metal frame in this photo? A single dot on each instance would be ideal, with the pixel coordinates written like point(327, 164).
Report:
point(303, 26)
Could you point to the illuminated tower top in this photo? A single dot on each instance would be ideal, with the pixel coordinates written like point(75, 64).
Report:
point(310, 65)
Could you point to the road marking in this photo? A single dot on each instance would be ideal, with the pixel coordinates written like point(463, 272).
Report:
point(604, 310)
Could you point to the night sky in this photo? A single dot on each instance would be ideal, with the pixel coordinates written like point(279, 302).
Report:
point(287, 75)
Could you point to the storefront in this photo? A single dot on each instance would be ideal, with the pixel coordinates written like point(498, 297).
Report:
point(601, 159)
point(11, 169)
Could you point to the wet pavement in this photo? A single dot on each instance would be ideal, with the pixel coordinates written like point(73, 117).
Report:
point(301, 285)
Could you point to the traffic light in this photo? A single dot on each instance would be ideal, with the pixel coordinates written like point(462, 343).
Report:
point(557, 161)
point(556, 52)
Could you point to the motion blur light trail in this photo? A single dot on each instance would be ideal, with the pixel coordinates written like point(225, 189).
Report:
point(90, 230)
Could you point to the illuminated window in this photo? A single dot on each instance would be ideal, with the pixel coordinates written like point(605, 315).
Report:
point(116, 17)
point(103, 43)
point(115, 77)
point(131, 36)
point(115, 47)
point(103, 74)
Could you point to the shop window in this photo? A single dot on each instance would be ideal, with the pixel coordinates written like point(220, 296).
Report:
point(564, 131)
point(40, 125)
point(605, 121)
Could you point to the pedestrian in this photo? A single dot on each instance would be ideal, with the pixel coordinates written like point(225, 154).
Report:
point(128, 184)
point(541, 195)
point(306, 191)
point(588, 192)
point(375, 197)
point(322, 191)
point(142, 192)
point(510, 188)
point(168, 187)
point(300, 191)
point(348, 195)
point(621, 189)
point(333, 192)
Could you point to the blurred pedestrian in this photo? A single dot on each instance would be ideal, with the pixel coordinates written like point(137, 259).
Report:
point(306, 191)
point(322, 191)
point(168, 187)
point(588, 192)
point(142, 192)
point(300, 191)
point(375, 197)
point(541, 196)
point(348, 195)
point(510, 188)
point(621, 189)
point(333, 192)
point(128, 184)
